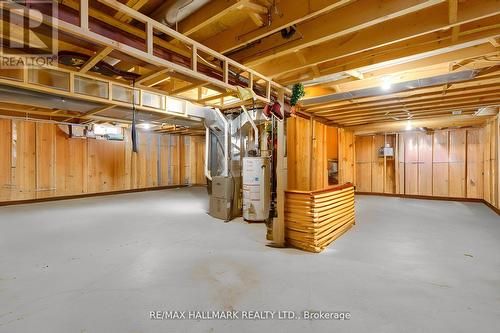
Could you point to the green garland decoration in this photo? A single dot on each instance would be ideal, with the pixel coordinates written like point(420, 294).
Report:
point(297, 93)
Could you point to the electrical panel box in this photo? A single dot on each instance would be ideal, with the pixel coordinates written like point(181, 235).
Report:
point(386, 152)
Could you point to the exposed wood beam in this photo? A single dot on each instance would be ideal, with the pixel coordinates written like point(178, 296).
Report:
point(406, 96)
point(256, 18)
point(452, 18)
point(108, 19)
point(285, 14)
point(356, 74)
point(432, 49)
point(209, 14)
point(411, 104)
point(495, 41)
point(92, 112)
point(151, 75)
point(337, 23)
point(98, 56)
point(478, 84)
point(187, 88)
point(397, 30)
point(430, 122)
point(134, 4)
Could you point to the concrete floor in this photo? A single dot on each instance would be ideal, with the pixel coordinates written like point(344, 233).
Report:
point(101, 264)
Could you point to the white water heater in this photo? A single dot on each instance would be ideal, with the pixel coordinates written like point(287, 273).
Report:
point(256, 188)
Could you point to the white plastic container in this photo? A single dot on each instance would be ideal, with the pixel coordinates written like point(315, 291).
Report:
point(256, 188)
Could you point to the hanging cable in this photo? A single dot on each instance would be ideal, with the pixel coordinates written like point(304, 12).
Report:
point(134, 129)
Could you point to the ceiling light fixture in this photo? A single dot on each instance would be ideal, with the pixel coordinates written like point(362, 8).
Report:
point(386, 83)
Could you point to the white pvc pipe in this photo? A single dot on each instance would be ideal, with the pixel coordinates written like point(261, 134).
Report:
point(207, 146)
point(225, 172)
point(255, 129)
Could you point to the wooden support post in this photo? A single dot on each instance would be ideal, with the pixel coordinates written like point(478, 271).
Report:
point(194, 58)
point(149, 37)
point(226, 72)
point(279, 222)
point(96, 59)
point(84, 14)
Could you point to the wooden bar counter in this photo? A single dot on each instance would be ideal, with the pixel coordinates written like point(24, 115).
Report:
point(314, 219)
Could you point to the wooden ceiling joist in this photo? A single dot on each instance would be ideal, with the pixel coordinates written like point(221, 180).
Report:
point(208, 14)
point(98, 56)
point(285, 14)
point(426, 50)
point(403, 28)
point(340, 22)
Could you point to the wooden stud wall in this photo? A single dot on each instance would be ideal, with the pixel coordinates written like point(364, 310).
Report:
point(374, 173)
point(309, 146)
point(347, 167)
point(40, 161)
point(455, 163)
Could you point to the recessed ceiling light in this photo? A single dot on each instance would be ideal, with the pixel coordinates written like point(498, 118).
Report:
point(386, 83)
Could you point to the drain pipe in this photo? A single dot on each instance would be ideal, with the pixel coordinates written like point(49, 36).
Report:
point(207, 144)
point(255, 129)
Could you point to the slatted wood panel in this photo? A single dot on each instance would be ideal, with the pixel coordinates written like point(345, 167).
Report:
point(309, 145)
point(440, 164)
point(299, 153)
point(378, 165)
point(447, 163)
point(5, 159)
point(390, 167)
point(24, 160)
point(346, 157)
point(411, 164)
point(373, 173)
point(363, 148)
point(71, 165)
point(314, 219)
point(457, 166)
point(39, 160)
point(319, 166)
point(474, 182)
point(424, 164)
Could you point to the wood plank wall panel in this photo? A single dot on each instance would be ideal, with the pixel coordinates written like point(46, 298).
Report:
point(474, 181)
point(411, 163)
point(45, 160)
point(363, 148)
point(24, 156)
point(440, 164)
point(400, 158)
point(71, 165)
point(197, 158)
point(310, 144)
point(164, 151)
point(457, 166)
point(460, 163)
point(374, 173)
point(299, 153)
point(390, 167)
point(39, 160)
point(378, 167)
point(424, 142)
point(319, 167)
point(490, 136)
point(346, 156)
point(175, 173)
point(5, 159)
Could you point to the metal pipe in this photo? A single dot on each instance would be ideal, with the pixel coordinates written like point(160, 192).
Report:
point(255, 129)
point(225, 172)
